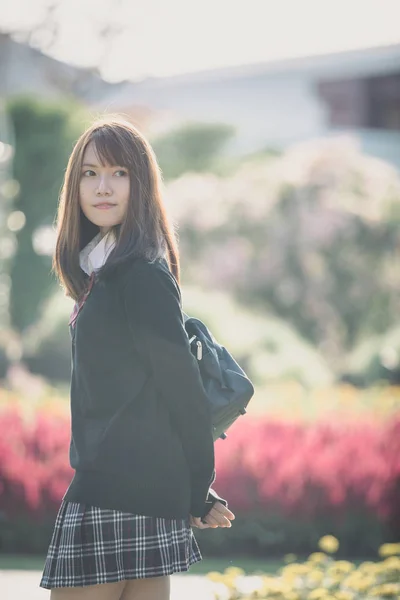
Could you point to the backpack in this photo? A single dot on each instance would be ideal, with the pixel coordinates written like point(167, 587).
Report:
point(227, 386)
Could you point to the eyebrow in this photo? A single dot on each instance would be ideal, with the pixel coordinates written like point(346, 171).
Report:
point(97, 166)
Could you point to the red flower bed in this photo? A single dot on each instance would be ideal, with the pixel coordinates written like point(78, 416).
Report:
point(34, 469)
point(299, 470)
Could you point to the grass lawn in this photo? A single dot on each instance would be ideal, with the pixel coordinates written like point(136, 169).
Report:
point(21, 562)
point(250, 565)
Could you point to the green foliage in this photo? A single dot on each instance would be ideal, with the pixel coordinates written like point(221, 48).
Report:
point(375, 359)
point(44, 137)
point(47, 344)
point(192, 147)
point(23, 535)
point(311, 237)
point(274, 535)
point(266, 347)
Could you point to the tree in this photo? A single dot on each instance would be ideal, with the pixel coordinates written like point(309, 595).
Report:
point(192, 147)
point(312, 237)
point(44, 135)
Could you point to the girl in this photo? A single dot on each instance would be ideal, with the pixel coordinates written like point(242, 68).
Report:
point(141, 441)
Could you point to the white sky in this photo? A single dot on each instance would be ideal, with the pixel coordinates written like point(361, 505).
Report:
point(165, 37)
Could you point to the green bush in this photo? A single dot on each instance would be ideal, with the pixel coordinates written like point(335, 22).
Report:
point(44, 134)
point(310, 237)
point(274, 535)
point(375, 359)
point(191, 147)
point(47, 344)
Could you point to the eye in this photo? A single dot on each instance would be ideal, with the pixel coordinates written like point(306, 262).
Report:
point(85, 173)
point(122, 172)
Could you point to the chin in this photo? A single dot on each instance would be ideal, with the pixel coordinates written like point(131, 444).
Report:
point(106, 222)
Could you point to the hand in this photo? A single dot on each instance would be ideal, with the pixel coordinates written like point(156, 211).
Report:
point(197, 522)
point(219, 516)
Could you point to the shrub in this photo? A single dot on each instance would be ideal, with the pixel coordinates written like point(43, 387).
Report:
point(44, 134)
point(287, 482)
point(191, 147)
point(321, 469)
point(310, 237)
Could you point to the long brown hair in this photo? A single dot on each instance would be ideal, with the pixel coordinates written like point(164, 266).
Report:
point(146, 230)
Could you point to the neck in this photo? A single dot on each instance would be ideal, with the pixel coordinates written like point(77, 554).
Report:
point(104, 230)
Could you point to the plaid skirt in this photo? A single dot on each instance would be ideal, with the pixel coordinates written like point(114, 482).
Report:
point(92, 545)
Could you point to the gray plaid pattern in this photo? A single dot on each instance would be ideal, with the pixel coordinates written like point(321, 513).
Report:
point(92, 545)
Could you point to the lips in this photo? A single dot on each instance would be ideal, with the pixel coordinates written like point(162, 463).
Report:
point(104, 205)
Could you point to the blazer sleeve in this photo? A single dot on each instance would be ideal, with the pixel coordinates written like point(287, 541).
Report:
point(212, 498)
point(153, 303)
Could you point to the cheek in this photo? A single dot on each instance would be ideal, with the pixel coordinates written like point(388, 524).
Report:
point(124, 191)
point(83, 193)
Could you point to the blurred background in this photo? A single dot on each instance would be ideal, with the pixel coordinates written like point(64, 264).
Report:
point(277, 128)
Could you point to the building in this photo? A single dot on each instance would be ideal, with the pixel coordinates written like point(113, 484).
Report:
point(278, 103)
point(272, 104)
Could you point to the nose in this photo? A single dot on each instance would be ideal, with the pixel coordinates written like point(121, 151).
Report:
point(103, 189)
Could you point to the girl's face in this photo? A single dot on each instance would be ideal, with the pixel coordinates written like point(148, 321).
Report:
point(103, 191)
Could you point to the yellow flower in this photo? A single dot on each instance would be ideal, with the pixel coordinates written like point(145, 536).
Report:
point(289, 558)
point(318, 557)
point(318, 594)
point(296, 569)
point(341, 567)
point(341, 595)
point(386, 590)
point(316, 576)
point(344, 565)
point(292, 596)
point(359, 583)
point(389, 549)
point(328, 543)
point(366, 565)
point(393, 562)
point(276, 587)
point(234, 571)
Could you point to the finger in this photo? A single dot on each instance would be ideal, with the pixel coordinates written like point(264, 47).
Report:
point(222, 514)
point(221, 520)
point(212, 521)
point(221, 508)
point(216, 516)
point(224, 522)
point(198, 523)
point(193, 522)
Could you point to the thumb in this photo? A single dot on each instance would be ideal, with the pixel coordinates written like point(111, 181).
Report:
point(197, 522)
